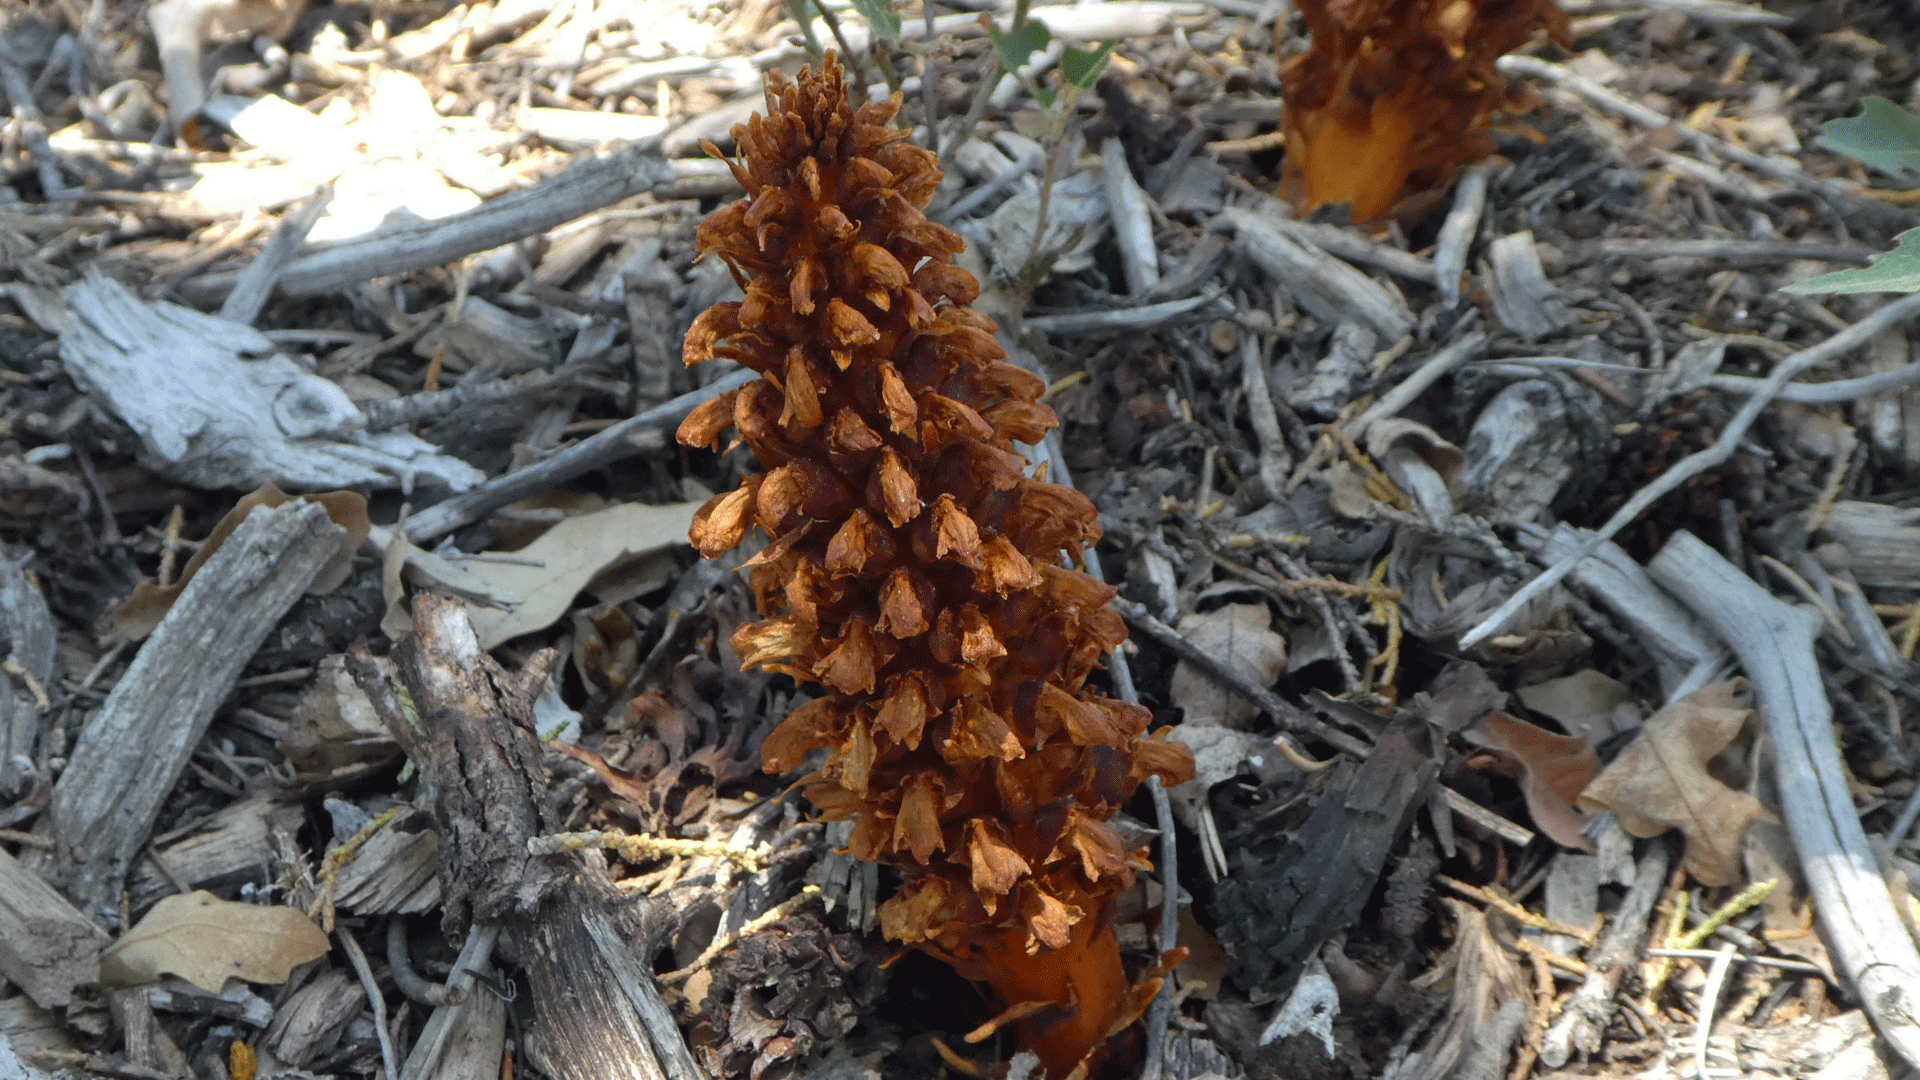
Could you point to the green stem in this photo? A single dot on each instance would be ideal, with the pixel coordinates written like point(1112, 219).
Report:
point(798, 9)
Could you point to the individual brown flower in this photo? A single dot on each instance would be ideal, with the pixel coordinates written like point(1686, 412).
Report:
point(918, 574)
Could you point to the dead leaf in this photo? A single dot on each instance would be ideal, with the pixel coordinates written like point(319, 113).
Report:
point(1660, 781)
point(1553, 770)
point(543, 578)
point(1585, 703)
point(397, 621)
point(206, 941)
point(1241, 636)
point(518, 524)
point(148, 604)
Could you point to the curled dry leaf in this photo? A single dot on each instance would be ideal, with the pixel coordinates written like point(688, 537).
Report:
point(1586, 703)
point(142, 610)
point(1242, 637)
point(1660, 781)
point(206, 941)
point(1553, 770)
point(547, 574)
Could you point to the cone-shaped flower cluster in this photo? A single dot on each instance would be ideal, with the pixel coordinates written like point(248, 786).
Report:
point(1395, 95)
point(917, 573)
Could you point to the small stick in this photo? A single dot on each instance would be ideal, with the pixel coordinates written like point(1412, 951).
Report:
point(1698, 462)
point(1798, 967)
point(1709, 999)
point(1540, 954)
point(170, 545)
point(374, 998)
point(1823, 393)
point(782, 910)
point(1584, 935)
point(622, 440)
point(1457, 232)
point(408, 981)
point(929, 97)
point(635, 847)
point(1415, 384)
point(1160, 1013)
point(1289, 715)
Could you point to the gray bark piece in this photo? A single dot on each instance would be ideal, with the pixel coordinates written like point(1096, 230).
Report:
point(47, 947)
point(1880, 544)
point(591, 183)
point(31, 1029)
point(1774, 641)
point(130, 755)
point(1522, 449)
point(1685, 656)
point(597, 1010)
point(231, 847)
point(216, 405)
point(12, 1068)
point(647, 284)
point(1132, 221)
point(313, 1019)
point(1337, 375)
point(1524, 300)
point(26, 640)
point(1330, 289)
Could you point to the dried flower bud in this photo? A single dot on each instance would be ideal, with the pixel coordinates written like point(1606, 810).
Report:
point(949, 640)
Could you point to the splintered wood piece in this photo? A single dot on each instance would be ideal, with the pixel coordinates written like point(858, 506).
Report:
point(592, 182)
point(596, 1006)
point(313, 1019)
point(129, 756)
point(231, 846)
point(46, 946)
point(396, 871)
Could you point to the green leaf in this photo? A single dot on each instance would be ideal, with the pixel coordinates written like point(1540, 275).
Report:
point(1022, 43)
point(881, 16)
point(1044, 96)
point(1884, 136)
point(1083, 68)
point(1892, 271)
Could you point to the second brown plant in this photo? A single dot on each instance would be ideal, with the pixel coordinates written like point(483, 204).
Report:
point(919, 575)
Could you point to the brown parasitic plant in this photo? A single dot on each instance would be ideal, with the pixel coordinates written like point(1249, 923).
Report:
point(919, 575)
point(1396, 95)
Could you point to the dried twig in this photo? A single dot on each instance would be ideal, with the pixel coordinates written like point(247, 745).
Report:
point(1290, 716)
point(375, 998)
point(1621, 105)
point(632, 436)
point(1698, 462)
point(1457, 232)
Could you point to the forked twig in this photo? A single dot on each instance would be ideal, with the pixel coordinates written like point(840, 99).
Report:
point(1700, 461)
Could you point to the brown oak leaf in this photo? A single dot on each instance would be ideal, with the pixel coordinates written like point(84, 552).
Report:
point(1553, 770)
point(1660, 781)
